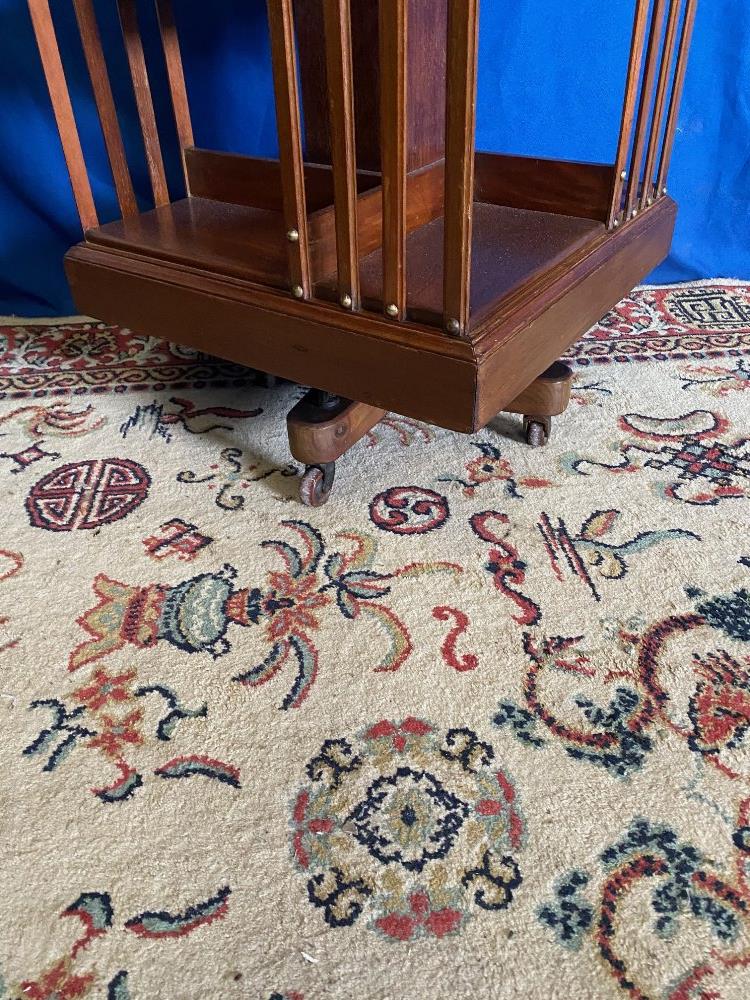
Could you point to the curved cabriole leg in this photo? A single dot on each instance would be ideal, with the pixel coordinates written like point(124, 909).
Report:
point(323, 427)
point(547, 397)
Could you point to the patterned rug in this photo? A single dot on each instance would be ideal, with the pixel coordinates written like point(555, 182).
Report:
point(479, 728)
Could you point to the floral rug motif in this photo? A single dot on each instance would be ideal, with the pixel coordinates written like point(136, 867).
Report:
point(480, 727)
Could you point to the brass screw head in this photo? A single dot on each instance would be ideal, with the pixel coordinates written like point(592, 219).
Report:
point(453, 326)
point(624, 175)
point(663, 190)
point(616, 224)
point(346, 301)
point(293, 236)
point(650, 201)
point(298, 292)
point(392, 310)
point(634, 213)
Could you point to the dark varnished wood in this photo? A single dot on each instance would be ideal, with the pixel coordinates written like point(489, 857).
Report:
point(44, 30)
point(557, 186)
point(211, 224)
point(232, 240)
point(175, 75)
point(657, 122)
point(405, 367)
point(509, 246)
point(424, 203)
point(540, 322)
point(425, 127)
point(105, 105)
point(548, 395)
point(460, 116)
point(632, 191)
point(317, 436)
point(256, 181)
point(629, 109)
point(393, 123)
point(426, 68)
point(284, 59)
point(131, 34)
point(358, 356)
point(338, 42)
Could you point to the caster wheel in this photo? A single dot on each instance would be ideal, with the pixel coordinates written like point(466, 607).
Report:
point(316, 484)
point(537, 432)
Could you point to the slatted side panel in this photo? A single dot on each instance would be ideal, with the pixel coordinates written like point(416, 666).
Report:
point(284, 61)
point(176, 77)
point(338, 45)
point(393, 121)
point(632, 193)
point(463, 37)
point(655, 73)
point(105, 105)
point(54, 73)
point(629, 108)
point(662, 88)
point(142, 89)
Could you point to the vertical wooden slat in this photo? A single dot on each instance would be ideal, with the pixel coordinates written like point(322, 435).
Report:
point(660, 103)
point(393, 29)
point(54, 73)
point(175, 75)
point(338, 43)
point(139, 74)
point(644, 108)
point(679, 83)
point(629, 107)
point(463, 36)
point(105, 104)
point(284, 59)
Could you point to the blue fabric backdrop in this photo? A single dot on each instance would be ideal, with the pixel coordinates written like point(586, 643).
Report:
point(551, 81)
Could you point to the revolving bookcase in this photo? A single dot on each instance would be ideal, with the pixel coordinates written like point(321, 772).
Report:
point(381, 259)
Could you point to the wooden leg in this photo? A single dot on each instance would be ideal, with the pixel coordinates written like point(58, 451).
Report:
point(546, 397)
point(321, 429)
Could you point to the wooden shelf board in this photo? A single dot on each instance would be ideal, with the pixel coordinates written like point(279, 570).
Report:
point(509, 247)
point(214, 236)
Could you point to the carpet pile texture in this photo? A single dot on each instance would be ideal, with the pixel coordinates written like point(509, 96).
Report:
point(478, 728)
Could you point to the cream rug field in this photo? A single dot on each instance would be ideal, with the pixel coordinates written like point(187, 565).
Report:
point(479, 728)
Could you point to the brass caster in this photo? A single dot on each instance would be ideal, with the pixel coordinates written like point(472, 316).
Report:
point(316, 484)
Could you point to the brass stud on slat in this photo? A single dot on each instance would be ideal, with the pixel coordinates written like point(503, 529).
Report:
point(624, 175)
point(453, 327)
point(346, 301)
point(298, 292)
point(293, 236)
point(392, 310)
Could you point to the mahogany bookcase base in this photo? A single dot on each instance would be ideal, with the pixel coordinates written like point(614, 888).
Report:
point(381, 257)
